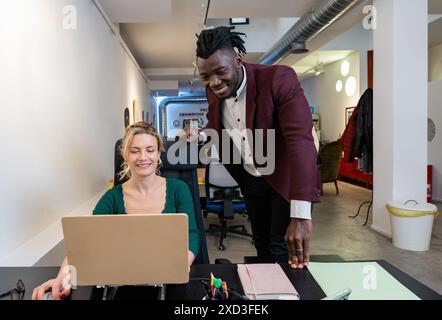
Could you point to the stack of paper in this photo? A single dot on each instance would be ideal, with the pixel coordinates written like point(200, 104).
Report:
point(266, 282)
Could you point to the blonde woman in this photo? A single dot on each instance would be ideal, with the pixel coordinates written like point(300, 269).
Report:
point(144, 192)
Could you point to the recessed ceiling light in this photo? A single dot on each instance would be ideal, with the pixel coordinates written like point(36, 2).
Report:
point(236, 21)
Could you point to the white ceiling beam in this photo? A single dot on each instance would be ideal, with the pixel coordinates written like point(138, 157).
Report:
point(163, 85)
point(169, 73)
point(137, 11)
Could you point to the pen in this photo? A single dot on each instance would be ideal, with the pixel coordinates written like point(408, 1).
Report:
point(217, 283)
point(212, 285)
point(217, 294)
point(340, 295)
point(226, 293)
point(237, 295)
point(208, 290)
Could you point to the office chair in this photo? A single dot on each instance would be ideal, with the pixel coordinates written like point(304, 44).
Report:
point(118, 162)
point(183, 171)
point(330, 156)
point(187, 172)
point(223, 196)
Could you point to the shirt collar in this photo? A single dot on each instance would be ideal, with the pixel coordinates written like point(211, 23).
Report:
point(243, 83)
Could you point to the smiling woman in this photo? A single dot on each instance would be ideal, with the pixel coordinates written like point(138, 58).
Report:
point(138, 137)
point(144, 193)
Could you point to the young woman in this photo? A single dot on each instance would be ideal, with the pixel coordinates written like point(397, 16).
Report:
point(145, 192)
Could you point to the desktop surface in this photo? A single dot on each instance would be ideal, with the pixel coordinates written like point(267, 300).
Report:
point(303, 281)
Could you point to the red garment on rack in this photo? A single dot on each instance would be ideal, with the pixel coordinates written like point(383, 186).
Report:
point(348, 137)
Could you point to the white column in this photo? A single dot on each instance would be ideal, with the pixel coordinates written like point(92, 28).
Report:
point(400, 105)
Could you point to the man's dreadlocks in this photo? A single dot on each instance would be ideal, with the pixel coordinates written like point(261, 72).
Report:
point(211, 40)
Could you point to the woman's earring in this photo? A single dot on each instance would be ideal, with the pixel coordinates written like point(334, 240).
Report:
point(159, 166)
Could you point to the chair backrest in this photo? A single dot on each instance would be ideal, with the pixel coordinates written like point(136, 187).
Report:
point(330, 156)
point(218, 178)
point(183, 171)
point(187, 172)
point(118, 162)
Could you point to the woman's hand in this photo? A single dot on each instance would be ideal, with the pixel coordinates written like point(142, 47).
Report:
point(55, 286)
point(190, 258)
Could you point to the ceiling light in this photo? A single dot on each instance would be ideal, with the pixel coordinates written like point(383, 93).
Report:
point(345, 68)
point(237, 21)
point(298, 48)
point(318, 71)
point(350, 87)
point(434, 17)
point(339, 86)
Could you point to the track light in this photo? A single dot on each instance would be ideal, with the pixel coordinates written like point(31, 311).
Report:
point(318, 69)
point(298, 48)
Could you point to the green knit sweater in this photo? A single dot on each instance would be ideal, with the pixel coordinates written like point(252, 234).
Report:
point(178, 200)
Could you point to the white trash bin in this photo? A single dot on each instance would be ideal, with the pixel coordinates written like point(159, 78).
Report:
point(412, 224)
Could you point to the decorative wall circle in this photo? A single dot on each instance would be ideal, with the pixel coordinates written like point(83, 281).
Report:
point(345, 68)
point(350, 86)
point(339, 86)
point(431, 130)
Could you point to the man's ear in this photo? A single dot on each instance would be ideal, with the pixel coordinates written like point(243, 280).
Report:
point(238, 60)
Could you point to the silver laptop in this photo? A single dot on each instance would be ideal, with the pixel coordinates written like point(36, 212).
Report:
point(127, 249)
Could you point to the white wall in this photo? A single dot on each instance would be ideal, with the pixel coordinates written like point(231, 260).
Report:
point(435, 147)
point(435, 63)
point(321, 93)
point(62, 96)
point(358, 39)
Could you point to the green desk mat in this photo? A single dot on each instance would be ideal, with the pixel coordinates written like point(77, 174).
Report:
point(367, 281)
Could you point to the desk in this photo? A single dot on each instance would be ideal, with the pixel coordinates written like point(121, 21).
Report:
point(303, 281)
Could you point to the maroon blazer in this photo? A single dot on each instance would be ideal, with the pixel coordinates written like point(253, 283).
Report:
point(275, 100)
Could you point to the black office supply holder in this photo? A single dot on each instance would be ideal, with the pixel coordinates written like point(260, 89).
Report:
point(109, 292)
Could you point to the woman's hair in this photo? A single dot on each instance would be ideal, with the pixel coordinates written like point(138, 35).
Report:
point(211, 40)
point(131, 131)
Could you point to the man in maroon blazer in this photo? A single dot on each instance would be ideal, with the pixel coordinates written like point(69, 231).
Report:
point(250, 96)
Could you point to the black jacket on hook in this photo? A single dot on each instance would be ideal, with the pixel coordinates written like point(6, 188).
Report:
point(363, 147)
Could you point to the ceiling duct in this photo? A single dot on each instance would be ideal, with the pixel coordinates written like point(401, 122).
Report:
point(319, 18)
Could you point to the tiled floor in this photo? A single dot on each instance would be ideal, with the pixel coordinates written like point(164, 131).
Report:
point(335, 233)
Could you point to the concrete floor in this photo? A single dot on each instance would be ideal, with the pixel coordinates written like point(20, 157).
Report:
point(336, 234)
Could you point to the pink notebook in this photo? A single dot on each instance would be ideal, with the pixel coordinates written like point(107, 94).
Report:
point(266, 282)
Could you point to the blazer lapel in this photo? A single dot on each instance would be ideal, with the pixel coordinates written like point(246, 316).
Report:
point(251, 95)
